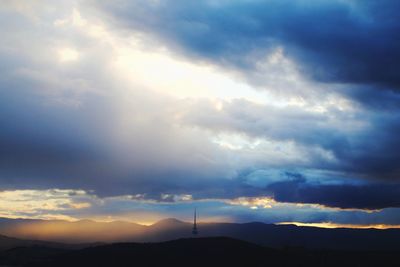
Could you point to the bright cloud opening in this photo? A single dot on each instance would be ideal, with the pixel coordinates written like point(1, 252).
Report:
point(68, 55)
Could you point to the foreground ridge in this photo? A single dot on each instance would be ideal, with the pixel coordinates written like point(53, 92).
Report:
point(212, 251)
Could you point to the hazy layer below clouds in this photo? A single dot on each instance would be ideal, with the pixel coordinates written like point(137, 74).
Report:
point(276, 236)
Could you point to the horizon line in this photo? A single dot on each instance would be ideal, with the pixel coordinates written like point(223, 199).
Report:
point(324, 225)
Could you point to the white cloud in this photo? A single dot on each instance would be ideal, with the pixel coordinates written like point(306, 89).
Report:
point(43, 204)
point(68, 54)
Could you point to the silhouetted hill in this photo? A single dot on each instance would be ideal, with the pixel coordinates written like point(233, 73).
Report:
point(183, 252)
point(7, 243)
point(32, 255)
point(279, 236)
point(276, 236)
point(217, 251)
point(309, 237)
point(10, 242)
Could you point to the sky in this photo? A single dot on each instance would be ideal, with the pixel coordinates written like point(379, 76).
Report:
point(275, 111)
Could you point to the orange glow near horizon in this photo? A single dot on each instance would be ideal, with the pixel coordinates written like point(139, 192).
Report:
point(337, 225)
point(88, 230)
point(153, 219)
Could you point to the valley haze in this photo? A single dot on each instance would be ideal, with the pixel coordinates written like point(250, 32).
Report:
point(269, 235)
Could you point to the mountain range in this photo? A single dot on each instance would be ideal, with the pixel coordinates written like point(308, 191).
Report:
point(269, 235)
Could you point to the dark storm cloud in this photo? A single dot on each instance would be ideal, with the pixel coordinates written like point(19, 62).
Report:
point(373, 152)
point(366, 196)
point(332, 41)
point(372, 99)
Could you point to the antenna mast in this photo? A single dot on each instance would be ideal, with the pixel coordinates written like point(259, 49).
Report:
point(194, 231)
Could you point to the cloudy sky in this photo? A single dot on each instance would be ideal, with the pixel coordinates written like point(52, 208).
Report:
point(275, 111)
